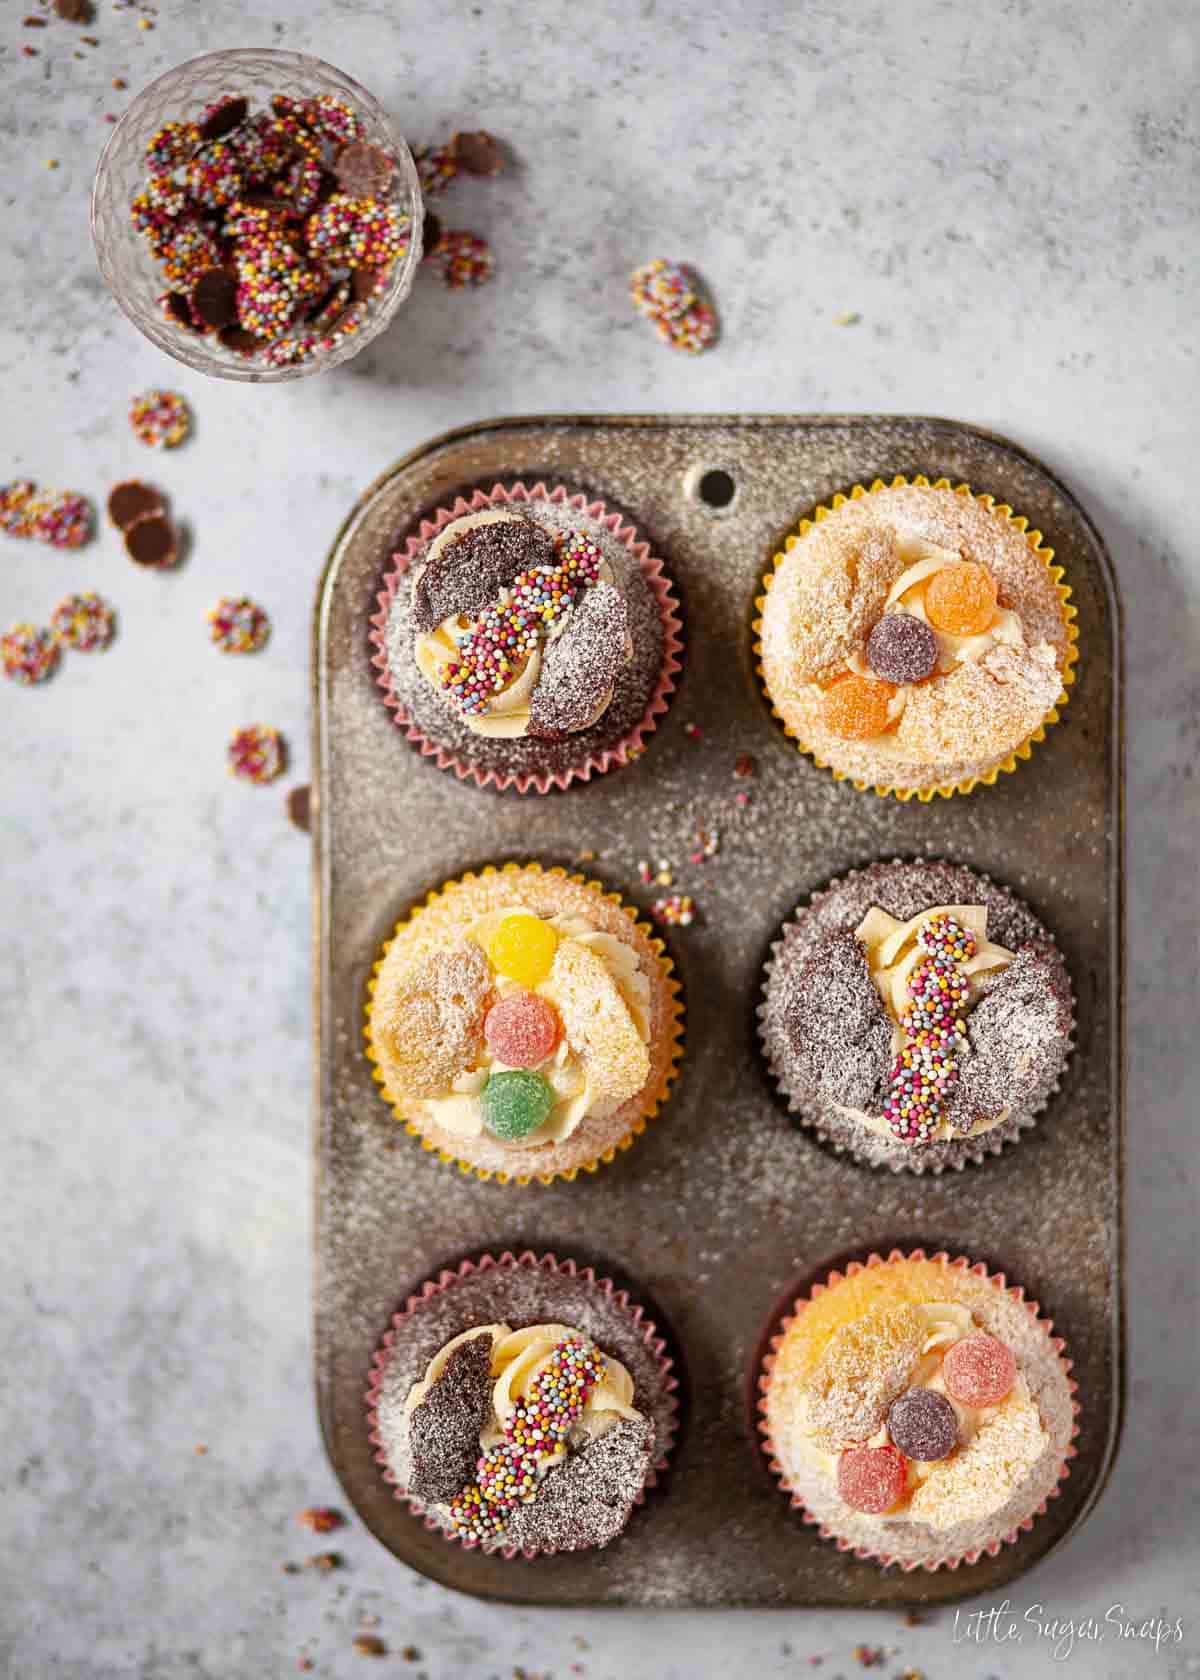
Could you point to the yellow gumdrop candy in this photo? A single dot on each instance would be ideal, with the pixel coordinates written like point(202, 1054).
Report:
point(522, 948)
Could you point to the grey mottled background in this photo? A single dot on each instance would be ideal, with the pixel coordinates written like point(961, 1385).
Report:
point(1007, 194)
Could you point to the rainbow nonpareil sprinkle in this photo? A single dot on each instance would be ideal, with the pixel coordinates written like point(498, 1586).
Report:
point(926, 1068)
point(535, 1437)
point(500, 642)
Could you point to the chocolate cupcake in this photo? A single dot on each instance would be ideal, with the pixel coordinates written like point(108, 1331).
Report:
point(915, 638)
point(917, 1015)
point(522, 1405)
point(918, 1410)
point(526, 638)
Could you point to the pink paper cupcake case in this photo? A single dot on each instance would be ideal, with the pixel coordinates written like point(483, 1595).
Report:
point(509, 1262)
point(595, 763)
point(865, 1553)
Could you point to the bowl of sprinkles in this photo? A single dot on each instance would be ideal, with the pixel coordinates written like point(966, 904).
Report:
point(256, 216)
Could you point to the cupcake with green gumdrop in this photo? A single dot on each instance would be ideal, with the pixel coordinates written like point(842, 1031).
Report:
point(523, 1024)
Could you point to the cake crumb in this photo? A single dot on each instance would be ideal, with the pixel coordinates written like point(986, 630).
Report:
point(321, 1519)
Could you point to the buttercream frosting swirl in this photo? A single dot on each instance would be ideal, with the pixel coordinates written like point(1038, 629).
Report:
point(518, 1358)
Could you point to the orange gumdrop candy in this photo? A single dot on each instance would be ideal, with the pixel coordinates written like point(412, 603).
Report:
point(856, 708)
point(961, 599)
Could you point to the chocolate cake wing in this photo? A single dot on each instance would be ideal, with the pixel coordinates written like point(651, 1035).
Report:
point(587, 1500)
point(837, 1027)
point(443, 1431)
point(580, 665)
point(466, 569)
point(1017, 1038)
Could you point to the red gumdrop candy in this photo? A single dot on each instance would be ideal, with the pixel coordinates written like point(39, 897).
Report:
point(979, 1370)
point(521, 1030)
point(871, 1479)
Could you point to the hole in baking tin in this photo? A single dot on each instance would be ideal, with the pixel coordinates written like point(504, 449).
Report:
point(716, 488)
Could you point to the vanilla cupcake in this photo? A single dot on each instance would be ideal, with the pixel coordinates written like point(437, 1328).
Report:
point(527, 638)
point(522, 1406)
point(917, 1015)
point(916, 638)
point(524, 1024)
point(918, 1410)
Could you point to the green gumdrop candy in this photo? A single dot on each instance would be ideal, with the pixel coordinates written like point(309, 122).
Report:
point(514, 1104)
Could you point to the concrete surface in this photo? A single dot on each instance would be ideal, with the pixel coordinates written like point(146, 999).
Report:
point(1006, 195)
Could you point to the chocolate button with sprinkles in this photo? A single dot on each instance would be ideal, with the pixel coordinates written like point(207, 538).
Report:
point(240, 341)
point(364, 171)
point(214, 297)
point(223, 117)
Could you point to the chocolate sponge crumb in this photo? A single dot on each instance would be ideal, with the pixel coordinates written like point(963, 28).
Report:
point(587, 1501)
point(836, 1024)
point(1016, 1036)
point(579, 667)
point(444, 1428)
point(469, 573)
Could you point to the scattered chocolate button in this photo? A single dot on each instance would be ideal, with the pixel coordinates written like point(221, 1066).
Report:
point(299, 808)
point(478, 153)
point(431, 236)
point(223, 117)
point(363, 170)
point(132, 500)
point(150, 541)
point(74, 11)
point(214, 296)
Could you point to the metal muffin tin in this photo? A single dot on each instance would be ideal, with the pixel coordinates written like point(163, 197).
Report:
point(723, 1210)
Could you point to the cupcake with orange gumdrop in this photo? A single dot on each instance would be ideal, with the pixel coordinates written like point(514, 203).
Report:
point(524, 1024)
point(918, 1410)
point(915, 638)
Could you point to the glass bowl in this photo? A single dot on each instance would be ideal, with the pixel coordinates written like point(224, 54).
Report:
point(126, 262)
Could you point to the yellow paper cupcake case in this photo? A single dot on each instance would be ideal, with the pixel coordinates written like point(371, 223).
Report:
point(1043, 552)
point(671, 1033)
